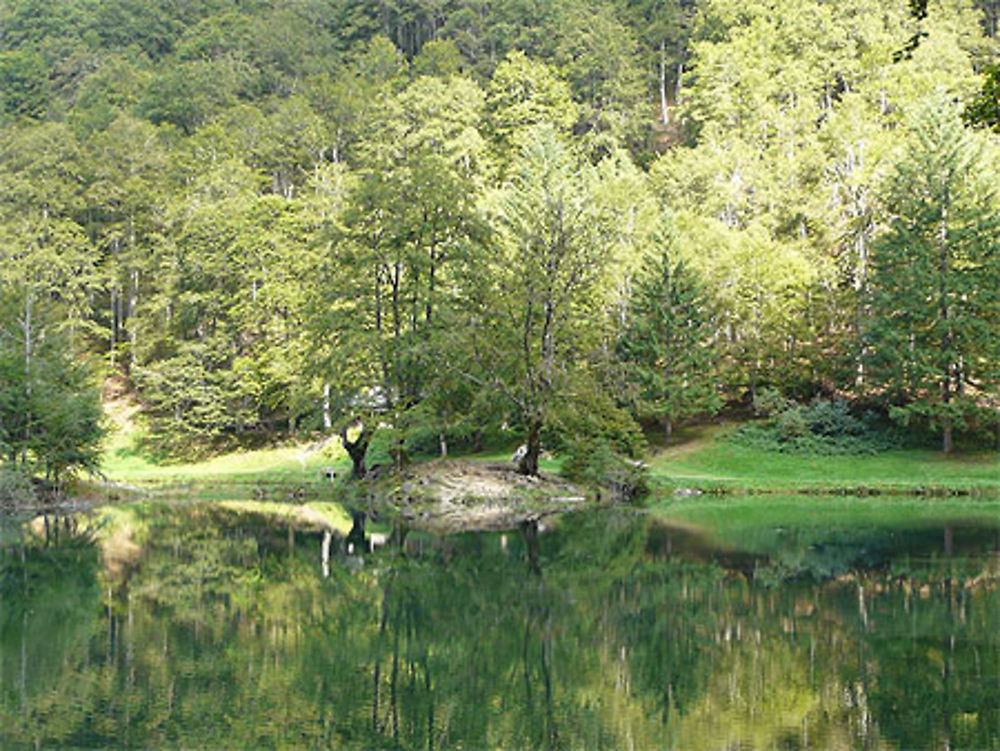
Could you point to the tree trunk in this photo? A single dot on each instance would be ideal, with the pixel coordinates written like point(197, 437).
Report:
point(533, 448)
point(664, 111)
point(112, 329)
point(529, 528)
point(327, 418)
point(668, 429)
point(133, 304)
point(357, 449)
point(357, 541)
point(945, 313)
point(27, 327)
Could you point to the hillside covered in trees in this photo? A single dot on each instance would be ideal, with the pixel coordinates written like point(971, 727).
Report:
point(563, 218)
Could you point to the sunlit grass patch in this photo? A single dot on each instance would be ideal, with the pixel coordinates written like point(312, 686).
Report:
point(705, 460)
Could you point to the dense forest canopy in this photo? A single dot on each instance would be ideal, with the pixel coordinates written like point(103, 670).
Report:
point(446, 216)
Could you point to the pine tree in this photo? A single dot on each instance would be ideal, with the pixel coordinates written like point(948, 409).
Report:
point(665, 347)
point(50, 413)
point(935, 331)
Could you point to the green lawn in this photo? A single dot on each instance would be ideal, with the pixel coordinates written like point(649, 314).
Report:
point(286, 463)
point(297, 464)
point(701, 459)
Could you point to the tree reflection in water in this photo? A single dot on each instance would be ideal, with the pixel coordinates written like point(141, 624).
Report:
point(608, 630)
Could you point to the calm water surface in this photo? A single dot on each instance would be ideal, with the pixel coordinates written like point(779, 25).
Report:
point(198, 627)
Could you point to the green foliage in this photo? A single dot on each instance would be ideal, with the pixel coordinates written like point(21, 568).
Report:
point(984, 110)
point(24, 83)
point(50, 414)
point(769, 401)
point(16, 488)
point(598, 464)
point(934, 335)
point(194, 402)
point(525, 93)
point(266, 218)
point(553, 229)
point(824, 427)
point(665, 348)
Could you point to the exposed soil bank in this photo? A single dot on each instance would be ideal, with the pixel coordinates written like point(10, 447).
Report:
point(460, 496)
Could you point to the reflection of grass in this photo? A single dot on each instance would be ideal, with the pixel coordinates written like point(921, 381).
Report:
point(700, 459)
point(733, 519)
point(315, 513)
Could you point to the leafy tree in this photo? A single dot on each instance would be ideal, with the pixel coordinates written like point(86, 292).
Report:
point(935, 329)
point(664, 29)
point(666, 348)
point(438, 58)
point(533, 311)
point(24, 83)
point(524, 93)
point(389, 278)
point(598, 54)
point(125, 198)
point(984, 110)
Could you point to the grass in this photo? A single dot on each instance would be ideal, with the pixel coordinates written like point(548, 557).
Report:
point(700, 459)
point(243, 472)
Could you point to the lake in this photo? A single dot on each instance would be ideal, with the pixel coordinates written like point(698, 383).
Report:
point(196, 626)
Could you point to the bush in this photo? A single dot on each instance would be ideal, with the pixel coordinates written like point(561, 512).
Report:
point(16, 488)
point(824, 427)
point(769, 401)
point(384, 449)
point(597, 420)
point(595, 463)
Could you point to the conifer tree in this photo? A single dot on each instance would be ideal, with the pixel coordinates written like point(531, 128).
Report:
point(935, 330)
point(665, 346)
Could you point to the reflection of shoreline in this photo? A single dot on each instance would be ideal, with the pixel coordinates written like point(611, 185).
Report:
point(229, 635)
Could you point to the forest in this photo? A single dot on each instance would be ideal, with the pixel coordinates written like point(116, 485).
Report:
point(425, 223)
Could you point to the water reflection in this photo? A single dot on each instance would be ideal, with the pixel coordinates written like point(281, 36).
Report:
point(198, 627)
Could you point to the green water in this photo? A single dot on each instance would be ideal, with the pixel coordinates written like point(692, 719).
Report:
point(199, 628)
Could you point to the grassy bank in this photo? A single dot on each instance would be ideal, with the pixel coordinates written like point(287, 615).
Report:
point(700, 458)
point(265, 473)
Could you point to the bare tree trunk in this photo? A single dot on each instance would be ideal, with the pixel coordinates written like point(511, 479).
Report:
point(133, 302)
point(946, 443)
point(664, 111)
point(357, 449)
point(327, 419)
point(27, 327)
point(528, 465)
point(113, 328)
